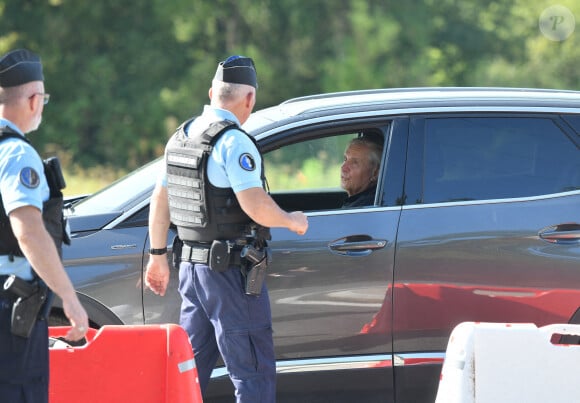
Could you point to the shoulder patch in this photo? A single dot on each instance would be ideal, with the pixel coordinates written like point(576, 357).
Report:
point(29, 178)
point(247, 162)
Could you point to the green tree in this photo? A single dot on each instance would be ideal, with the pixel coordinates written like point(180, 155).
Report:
point(123, 75)
point(535, 60)
point(106, 65)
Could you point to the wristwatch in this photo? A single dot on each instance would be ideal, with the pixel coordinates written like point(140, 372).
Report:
point(162, 251)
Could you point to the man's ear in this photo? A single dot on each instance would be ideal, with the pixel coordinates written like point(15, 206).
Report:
point(249, 98)
point(376, 173)
point(210, 92)
point(33, 103)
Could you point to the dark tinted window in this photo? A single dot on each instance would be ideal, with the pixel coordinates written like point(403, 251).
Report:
point(574, 121)
point(139, 219)
point(494, 158)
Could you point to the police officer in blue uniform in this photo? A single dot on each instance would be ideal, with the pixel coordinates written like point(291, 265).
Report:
point(213, 190)
point(30, 207)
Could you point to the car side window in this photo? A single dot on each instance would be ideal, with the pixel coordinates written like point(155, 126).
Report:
point(311, 164)
point(498, 157)
point(574, 121)
point(139, 219)
point(306, 175)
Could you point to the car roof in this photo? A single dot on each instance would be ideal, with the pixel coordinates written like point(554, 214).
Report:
point(413, 99)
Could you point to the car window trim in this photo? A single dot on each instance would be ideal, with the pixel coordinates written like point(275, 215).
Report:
point(329, 128)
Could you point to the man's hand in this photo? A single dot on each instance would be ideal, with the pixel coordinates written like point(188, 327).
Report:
point(77, 316)
point(299, 222)
point(157, 274)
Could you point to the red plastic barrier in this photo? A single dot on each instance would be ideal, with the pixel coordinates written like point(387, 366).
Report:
point(149, 363)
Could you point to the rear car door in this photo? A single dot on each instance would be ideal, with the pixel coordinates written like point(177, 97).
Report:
point(490, 232)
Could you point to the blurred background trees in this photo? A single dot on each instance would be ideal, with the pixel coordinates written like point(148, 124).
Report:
point(122, 75)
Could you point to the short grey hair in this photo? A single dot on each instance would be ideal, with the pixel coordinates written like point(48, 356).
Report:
point(375, 149)
point(228, 92)
point(9, 94)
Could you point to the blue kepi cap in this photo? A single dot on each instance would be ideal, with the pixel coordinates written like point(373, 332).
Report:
point(19, 67)
point(237, 70)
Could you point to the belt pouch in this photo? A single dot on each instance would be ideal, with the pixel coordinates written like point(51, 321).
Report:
point(219, 256)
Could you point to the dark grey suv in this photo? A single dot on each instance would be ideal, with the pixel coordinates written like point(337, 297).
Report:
point(476, 218)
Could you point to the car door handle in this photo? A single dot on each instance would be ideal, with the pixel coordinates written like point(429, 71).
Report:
point(356, 245)
point(562, 233)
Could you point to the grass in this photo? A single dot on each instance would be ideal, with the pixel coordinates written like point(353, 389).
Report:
point(84, 181)
point(311, 174)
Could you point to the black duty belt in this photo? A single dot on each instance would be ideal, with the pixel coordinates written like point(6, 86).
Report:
point(195, 254)
point(201, 254)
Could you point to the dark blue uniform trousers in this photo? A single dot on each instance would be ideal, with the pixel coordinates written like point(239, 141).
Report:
point(220, 318)
point(23, 362)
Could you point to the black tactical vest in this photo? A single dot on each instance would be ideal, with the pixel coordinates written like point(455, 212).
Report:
point(52, 214)
point(203, 212)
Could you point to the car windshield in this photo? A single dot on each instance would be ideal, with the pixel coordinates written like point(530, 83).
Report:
point(122, 193)
point(134, 187)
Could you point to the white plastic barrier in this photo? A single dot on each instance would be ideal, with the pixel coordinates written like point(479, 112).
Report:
point(505, 362)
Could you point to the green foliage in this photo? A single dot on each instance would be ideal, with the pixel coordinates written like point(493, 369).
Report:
point(123, 75)
point(81, 181)
point(310, 175)
point(306, 165)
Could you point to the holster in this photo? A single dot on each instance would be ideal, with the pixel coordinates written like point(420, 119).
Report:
point(26, 309)
point(255, 271)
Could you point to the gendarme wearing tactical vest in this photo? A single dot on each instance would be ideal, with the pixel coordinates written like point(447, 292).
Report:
point(213, 190)
point(32, 223)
